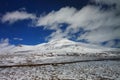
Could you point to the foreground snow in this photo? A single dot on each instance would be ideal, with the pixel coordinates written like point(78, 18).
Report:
point(35, 59)
point(100, 70)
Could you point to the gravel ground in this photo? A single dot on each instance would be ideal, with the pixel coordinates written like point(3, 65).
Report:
point(94, 70)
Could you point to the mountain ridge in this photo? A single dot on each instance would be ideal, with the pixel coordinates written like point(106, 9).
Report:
point(57, 45)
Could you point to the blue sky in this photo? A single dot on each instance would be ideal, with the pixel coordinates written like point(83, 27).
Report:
point(21, 29)
point(33, 22)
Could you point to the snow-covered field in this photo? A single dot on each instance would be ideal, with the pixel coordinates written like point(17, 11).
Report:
point(31, 59)
point(59, 60)
point(100, 70)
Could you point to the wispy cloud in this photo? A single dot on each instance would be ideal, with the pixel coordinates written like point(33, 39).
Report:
point(5, 46)
point(18, 39)
point(99, 25)
point(4, 42)
point(14, 16)
point(108, 2)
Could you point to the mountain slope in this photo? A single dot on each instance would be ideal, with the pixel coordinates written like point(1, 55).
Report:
point(62, 45)
point(57, 46)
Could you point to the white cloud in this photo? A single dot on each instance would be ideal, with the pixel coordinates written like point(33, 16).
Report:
point(14, 16)
point(87, 18)
point(110, 43)
point(116, 3)
point(4, 42)
point(54, 18)
point(101, 35)
point(19, 39)
point(110, 2)
point(100, 25)
point(117, 45)
point(57, 35)
point(5, 46)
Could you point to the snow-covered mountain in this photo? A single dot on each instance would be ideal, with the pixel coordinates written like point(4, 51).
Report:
point(65, 59)
point(59, 46)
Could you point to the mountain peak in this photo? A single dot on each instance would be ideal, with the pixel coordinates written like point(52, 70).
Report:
point(64, 40)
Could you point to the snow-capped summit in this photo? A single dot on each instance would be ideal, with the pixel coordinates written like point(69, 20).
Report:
point(58, 41)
